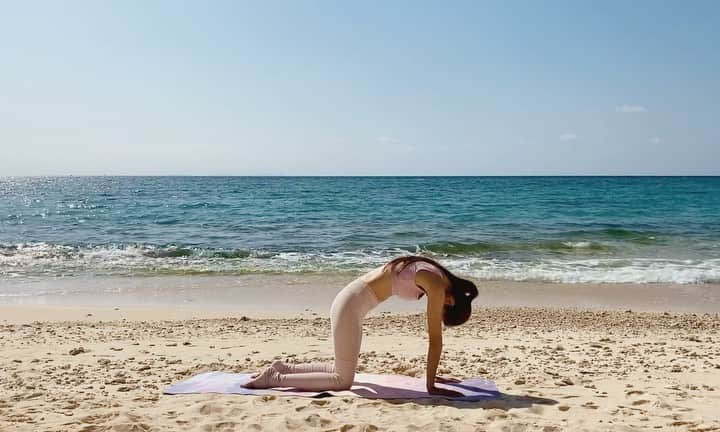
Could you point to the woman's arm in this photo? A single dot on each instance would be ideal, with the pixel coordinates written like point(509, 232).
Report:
point(434, 286)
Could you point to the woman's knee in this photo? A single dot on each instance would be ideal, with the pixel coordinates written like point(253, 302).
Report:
point(344, 380)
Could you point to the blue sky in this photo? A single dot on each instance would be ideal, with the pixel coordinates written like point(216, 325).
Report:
point(360, 88)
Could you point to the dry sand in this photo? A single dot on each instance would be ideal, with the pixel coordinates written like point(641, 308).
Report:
point(557, 369)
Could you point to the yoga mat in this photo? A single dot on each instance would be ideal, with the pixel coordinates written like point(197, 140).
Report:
point(366, 385)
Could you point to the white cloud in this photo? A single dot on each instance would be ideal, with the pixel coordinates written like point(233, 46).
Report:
point(568, 136)
point(410, 148)
point(387, 140)
point(655, 140)
point(630, 108)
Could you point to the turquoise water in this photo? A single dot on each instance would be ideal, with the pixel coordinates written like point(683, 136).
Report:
point(555, 229)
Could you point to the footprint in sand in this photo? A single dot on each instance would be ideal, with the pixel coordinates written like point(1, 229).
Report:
point(225, 426)
point(358, 428)
point(133, 426)
point(98, 418)
point(590, 404)
point(315, 420)
point(211, 408)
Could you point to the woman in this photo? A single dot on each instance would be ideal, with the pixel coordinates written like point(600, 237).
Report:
point(408, 277)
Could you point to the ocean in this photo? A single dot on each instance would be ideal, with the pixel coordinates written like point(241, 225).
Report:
point(543, 229)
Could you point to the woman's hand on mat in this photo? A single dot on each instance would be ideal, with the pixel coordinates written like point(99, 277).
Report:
point(443, 392)
point(446, 380)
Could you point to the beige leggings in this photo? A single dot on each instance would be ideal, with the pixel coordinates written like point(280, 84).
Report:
point(346, 315)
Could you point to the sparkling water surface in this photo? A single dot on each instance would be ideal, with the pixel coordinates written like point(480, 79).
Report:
point(552, 229)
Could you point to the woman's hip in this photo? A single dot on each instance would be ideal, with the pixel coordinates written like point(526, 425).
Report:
point(355, 300)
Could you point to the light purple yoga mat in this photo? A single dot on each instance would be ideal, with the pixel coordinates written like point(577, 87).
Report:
point(365, 385)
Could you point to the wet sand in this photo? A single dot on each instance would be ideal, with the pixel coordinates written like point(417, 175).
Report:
point(289, 293)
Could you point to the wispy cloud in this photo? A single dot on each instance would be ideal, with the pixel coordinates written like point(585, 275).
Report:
point(387, 140)
point(568, 136)
point(630, 108)
point(655, 140)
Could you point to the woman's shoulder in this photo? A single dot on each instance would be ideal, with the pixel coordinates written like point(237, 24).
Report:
point(429, 276)
point(424, 265)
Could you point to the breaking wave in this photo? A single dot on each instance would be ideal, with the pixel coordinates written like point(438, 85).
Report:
point(565, 262)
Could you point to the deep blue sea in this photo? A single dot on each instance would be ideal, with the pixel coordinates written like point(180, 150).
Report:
point(554, 229)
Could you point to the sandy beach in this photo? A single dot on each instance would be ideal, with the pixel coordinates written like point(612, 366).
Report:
point(190, 188)
point(103, 368)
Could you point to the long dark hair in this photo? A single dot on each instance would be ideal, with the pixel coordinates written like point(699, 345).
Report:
point(462, 290)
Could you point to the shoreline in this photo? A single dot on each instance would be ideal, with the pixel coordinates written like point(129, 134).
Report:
point(293, 293)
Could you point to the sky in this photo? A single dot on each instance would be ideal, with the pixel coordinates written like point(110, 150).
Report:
point(359, 88)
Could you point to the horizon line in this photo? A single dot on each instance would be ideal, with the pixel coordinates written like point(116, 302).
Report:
point(351, 175)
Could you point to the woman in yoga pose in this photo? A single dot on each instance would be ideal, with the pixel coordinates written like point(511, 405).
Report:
point(408, 277)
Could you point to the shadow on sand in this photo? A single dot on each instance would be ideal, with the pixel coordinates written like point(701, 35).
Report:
point(503, 401)
point(482, 398)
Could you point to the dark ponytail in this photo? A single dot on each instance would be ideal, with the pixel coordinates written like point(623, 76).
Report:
point(462, 290)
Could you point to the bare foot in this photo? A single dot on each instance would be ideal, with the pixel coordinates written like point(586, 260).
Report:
point(281, 367)
point(263, 380)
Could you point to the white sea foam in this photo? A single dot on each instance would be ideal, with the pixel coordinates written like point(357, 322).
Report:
point(55, 260)
point(578, 244)
point(636, 270)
